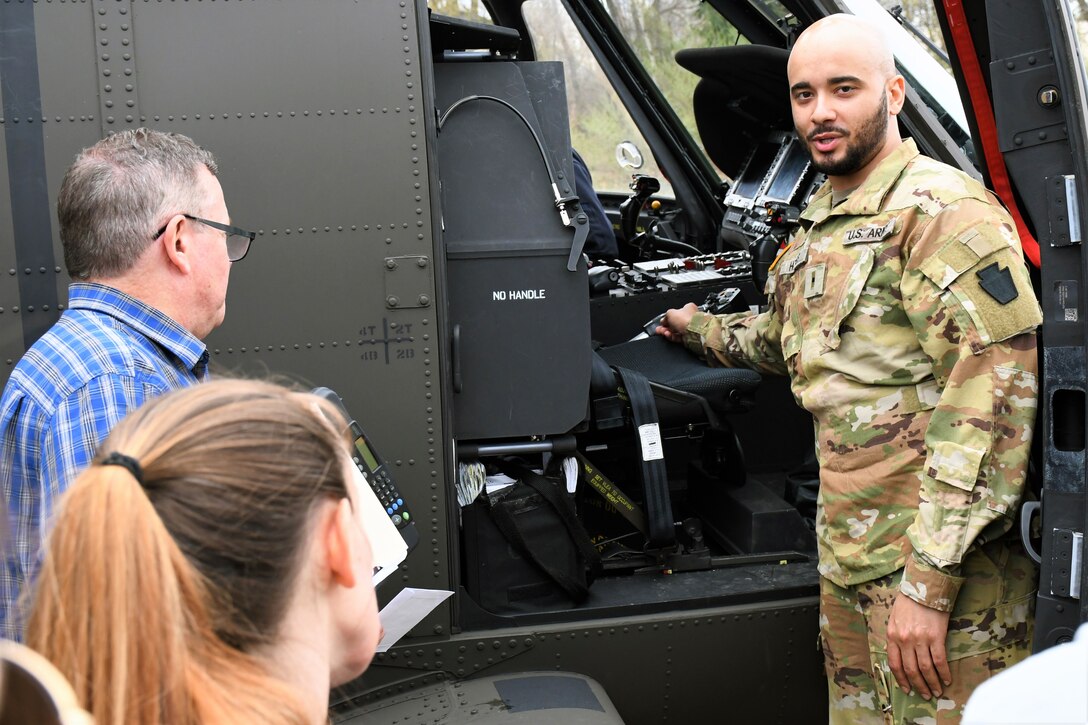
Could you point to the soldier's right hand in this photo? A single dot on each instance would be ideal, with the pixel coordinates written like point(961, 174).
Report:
point(675, 322)
point(916, 647)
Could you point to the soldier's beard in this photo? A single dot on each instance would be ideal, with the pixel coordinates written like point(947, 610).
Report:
point(867, 140)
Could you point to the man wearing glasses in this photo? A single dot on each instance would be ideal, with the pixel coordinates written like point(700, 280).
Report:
point(149, 249)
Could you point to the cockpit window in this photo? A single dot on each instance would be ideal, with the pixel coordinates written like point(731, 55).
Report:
point(1079, 10)
point(773, 10)
point(922, 63)
point(654, 30)
point(599, 123)
point(919, 18)
point(473, 10)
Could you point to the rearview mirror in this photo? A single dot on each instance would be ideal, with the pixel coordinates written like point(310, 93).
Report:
point(628, 155)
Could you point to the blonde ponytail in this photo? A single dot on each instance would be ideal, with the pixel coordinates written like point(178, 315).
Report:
point(110, 554)
point(140, 601)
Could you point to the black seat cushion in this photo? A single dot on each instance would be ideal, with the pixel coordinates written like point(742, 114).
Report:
point(670, 364)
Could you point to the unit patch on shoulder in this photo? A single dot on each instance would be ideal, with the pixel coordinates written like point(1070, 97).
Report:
point(997, 282)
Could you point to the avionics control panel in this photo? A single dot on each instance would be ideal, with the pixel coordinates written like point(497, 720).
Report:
point(624, 296)
point(772, 188)
point(721, 269)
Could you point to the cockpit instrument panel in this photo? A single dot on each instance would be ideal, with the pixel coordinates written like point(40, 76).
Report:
point(715, 270)
point(774, 184)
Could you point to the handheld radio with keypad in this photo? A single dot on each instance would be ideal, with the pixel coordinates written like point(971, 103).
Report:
point(376, 473)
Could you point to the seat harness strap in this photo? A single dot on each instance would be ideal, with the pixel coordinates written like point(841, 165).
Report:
point(655, 479)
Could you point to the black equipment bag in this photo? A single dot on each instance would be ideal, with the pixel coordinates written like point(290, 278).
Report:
point(525, 546)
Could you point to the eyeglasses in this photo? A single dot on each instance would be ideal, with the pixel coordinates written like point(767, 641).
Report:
point(238, 239)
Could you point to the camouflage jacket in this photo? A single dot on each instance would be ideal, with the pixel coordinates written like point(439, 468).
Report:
point(906, 320)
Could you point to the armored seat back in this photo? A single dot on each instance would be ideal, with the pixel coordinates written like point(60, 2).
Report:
point(519, 317)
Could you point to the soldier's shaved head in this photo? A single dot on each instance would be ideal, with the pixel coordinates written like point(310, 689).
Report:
point(863, 38)
point(845, 95)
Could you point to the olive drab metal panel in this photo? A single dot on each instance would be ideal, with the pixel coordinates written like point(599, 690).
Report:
point(33, 266)
point(11, 338)
point(71, 65)
point(318, 128)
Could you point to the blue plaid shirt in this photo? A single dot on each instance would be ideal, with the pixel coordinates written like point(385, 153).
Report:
point(106, 355)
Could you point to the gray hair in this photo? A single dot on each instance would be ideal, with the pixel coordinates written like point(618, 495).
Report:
point(117, 194)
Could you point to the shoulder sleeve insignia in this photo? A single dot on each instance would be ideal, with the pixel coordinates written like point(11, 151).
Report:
point(997, 282)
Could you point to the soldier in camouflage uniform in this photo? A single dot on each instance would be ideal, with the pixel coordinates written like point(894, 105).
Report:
point(904, 315)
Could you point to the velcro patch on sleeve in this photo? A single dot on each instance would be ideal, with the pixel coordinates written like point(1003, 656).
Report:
point(946, 266)
point(959, 255)
point(981, 244)
point(998, 298)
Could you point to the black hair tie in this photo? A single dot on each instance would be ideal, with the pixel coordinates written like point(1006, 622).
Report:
point(127, 462)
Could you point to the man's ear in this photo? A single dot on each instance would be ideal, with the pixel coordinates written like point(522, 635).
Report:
point(177, 245)
point(339, 551)
point(897, 94)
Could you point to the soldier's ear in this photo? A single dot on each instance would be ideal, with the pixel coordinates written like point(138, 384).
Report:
point(896, 88)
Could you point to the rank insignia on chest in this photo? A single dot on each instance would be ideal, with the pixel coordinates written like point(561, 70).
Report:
point(871, 233)
point(814, 281)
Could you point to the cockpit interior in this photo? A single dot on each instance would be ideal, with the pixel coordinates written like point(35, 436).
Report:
point(702, 473)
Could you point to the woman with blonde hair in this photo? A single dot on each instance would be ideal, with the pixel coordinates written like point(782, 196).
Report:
point(210, 565)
